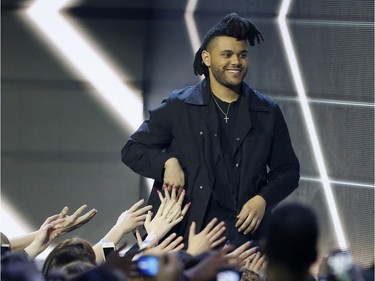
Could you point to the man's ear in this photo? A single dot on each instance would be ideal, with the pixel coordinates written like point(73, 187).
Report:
point(206, 58)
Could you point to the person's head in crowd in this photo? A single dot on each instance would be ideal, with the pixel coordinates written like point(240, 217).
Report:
point(76, 267)
point(100, 273)
point(291, 239)
point(18, 266)
point(66, 252)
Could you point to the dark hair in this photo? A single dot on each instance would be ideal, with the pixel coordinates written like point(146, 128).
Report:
point(231, 25)
point(68, 251)
point(19, 266)
point(292, 237)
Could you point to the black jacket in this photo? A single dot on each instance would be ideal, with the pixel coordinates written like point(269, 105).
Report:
point(185, 126)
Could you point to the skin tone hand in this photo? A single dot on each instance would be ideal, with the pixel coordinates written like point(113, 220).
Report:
point(251, 215)
point(256, 262)
point(170, 244)
point(173, 174)
point(44, 236)
point(174, 198)
point(132, 218)
point(207, 239)
point(75, 221)
point(167, 216)
point(127, 221)
point(66, 225)
point(241, 254)
point(209, 266)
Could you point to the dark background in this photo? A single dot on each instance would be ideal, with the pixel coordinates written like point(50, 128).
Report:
point(60, 146)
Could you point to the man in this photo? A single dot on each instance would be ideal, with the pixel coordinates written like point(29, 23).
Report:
point(225, 143)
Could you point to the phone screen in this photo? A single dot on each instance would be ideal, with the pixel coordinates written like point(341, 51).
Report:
point(148, 265)
point(107, 251)
point(228, 275)
point(5, 248)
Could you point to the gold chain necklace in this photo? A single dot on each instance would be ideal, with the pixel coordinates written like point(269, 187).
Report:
point(226, 118)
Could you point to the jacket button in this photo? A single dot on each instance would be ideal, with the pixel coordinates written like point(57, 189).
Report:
point(215, 135)
point(201, 187)
point(201, 133)
point(236, 165)
point(237, 139)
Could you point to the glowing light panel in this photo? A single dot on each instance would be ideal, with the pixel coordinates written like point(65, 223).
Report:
point(123, 102)
point(294, 67)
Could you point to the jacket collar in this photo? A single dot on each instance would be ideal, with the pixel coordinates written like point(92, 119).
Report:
point(200, 94)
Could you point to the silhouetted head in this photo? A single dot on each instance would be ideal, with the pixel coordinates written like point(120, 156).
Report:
point(292, 236)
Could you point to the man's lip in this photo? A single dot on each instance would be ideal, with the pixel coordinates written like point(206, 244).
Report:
point(234, 70)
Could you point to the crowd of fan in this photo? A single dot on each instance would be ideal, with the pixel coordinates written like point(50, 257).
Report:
point(286, 252)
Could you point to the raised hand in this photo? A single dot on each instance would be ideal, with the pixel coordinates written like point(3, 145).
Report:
point(74, 221)
point(207, 239)
point(44, 236)
point(132, 218)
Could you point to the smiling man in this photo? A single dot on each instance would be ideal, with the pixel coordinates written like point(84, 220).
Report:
point(226, 144)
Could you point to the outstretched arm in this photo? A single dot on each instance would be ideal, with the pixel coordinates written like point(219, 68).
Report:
point(69, 223)
point(127, 221)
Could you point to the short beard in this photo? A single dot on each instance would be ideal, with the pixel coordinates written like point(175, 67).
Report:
point(221, 78)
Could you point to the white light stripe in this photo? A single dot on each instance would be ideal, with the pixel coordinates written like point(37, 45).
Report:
point(346, 183)
point(124, 103)
point(310, 123)
point(13, 223)
point(326, 101)
point(332, 22)
point(191, 25)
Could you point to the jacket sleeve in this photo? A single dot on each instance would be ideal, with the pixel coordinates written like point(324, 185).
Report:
point(145, 152)
point(284, 168)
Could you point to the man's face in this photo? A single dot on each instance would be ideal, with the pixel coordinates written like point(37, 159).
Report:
point(226, 58)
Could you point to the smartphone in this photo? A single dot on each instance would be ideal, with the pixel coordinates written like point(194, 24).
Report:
point(148, 265)
point(228, 275)
point(5, 248)
point(108, 248)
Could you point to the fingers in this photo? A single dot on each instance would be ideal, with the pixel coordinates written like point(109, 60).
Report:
point(217, 231)
point(64, 212)
point(79, 211)
point(192, 229)
point(138, 237)
point(181, 197)
point(52, 218)
point(209, 226)
point(148, 217)
point(136, 205)
point(246, 223)
point(161, 198)
point(185, 209)
point(142, 210)
point(218, 242)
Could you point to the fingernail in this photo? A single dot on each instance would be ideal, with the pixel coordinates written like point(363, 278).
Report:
point(227, 242)
point(189, 204)
point(251, 242)
point(257, 249)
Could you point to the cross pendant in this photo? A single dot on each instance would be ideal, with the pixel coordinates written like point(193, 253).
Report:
point(226, 118)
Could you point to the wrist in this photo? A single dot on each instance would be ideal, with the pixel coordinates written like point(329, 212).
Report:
point(171, 161)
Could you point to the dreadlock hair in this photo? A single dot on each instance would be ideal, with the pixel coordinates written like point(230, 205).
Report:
point(231, 25)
